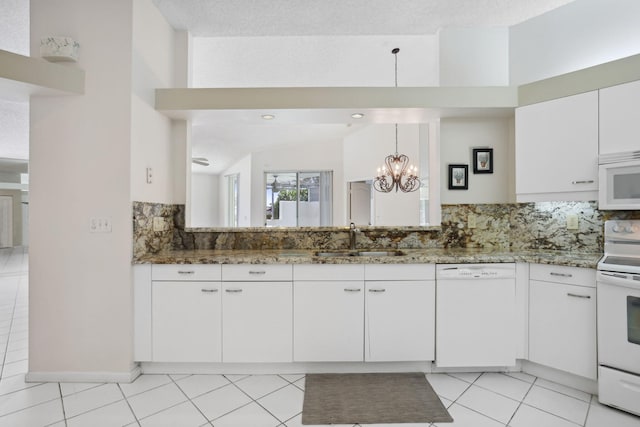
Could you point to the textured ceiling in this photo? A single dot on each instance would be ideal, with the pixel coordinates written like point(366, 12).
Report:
point(345, 17)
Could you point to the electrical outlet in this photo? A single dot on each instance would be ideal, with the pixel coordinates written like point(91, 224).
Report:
point(149, 175)
point(159, 223)
point(572, 222)
point(471, 221)
point(99, 225)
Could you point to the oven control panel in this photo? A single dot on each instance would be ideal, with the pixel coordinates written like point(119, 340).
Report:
point(627, 229)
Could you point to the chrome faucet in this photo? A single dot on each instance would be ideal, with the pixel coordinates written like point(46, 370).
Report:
point(352, 236)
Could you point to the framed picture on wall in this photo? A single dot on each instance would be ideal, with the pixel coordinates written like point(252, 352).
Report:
point(458, 177)
point(483, 160)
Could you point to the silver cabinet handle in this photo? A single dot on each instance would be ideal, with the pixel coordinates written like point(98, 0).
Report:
point(560, 274)
point(569, 294)
point(585, 181)
point(352, 289)
point(208, 290)
point(233, 290)
point(257, 272)
point(377, 290)
point(186, 272)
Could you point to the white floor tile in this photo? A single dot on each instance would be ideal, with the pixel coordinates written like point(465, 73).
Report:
point(250, 415)
point(559, 404)
point(464, 417)
point(16, 355)
point(15, 383)
point(195, 385)
point(601, 415)
point(221, 401)
point(447, 386)
point(144, 383)
point(93, 398)
point(237, 377)
point(39, 415)
point(445, 402)
point(114, 414)
point(284, 403)
point(177, 377)
point(183, 415)
point(297, 422)
point(504, 385)
point(15, 368)
point(578, 394)
point(29, 397)
point(526, 416)
point(156, 400)
point(71, 388)
point(522, 376)
point(257, 386)
point(300, 383)
point(488, 403)
point(469, 377)
point(292, 378)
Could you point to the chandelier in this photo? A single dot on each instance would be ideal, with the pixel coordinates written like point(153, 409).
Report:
point(396, 173)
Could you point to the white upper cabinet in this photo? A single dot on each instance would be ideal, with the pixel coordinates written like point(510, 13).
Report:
point(620, 118)
point(557, 149)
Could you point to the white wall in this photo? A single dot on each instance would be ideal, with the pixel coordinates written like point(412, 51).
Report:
point(205, 201)
point(474, 57)
point(81, 163)
point(575, 36)
point(365, 151)
point(457, 139)
point(310, 157)
point(314, 61)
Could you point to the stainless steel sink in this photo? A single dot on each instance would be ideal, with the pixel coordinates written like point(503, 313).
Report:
point(369, 253)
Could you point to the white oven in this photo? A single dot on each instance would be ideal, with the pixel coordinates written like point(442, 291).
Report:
point(619, 181)
point(618, 292)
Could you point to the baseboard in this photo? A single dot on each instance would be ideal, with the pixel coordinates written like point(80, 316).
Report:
point(84, 377)
point(561, 377)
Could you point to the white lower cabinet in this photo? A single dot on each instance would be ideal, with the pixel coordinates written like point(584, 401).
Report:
point(400, 321)
point(562, 319)
point(186, 321)
point(257, 324)
point(328, 318)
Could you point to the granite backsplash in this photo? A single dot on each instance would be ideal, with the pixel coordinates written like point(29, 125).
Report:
point(517, 226)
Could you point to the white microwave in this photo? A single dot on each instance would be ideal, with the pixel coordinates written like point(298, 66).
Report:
point(619, 181)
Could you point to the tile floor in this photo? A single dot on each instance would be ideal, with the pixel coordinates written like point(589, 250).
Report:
point(474, 400)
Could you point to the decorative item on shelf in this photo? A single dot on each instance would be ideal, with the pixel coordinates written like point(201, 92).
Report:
point(458, 177)
point(396, 173)
point(483, 160)
point(59, 49)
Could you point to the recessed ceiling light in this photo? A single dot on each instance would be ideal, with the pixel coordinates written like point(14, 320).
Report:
point(357, 115)
point(268, 116)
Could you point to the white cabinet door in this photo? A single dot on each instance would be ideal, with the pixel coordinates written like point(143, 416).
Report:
point(562, 327)
point(328, 321)
point(620, 118)
point(557, 149)
point(257, 324)
point(400, 321)
point(475, 323)
point(186, 319)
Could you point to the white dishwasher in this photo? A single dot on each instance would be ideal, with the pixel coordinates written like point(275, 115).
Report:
point(475, 315)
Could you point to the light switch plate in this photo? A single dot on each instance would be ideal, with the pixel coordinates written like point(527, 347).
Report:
point(572, 222)
point(471, 221)
point(159, 223)
point(99, 225)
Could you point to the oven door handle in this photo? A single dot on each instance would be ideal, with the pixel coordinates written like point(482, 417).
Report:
point(626, 280)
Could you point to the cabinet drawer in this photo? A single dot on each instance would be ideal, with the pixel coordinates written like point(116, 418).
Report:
point(374, 272)
point(189, 272)
point(562, 274)
point(314, 272)
point(256, 272)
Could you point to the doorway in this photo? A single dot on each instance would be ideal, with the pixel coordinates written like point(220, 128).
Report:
point(359, 202)
point(6, 221)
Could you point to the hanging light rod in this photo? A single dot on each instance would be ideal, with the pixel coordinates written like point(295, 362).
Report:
point(396, 173)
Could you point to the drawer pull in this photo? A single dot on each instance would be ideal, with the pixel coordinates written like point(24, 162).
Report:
point(586, 181)
point(186, 272)
point(561, 274)
point(259, 272)
point(352, 289)
point(377, 290)
point(233, 291)
point(209, 291)
point(569, 294)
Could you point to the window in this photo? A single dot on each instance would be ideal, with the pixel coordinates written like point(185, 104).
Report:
point(231, 219)
point(298, 199)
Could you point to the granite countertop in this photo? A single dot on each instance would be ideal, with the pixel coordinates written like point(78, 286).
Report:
point(409, 256)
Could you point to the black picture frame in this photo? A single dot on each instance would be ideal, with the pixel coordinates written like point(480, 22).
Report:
point(483, 160)
point(458, 177)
